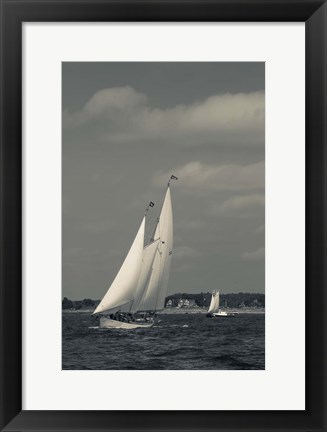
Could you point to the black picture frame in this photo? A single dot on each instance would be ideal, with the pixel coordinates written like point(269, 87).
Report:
point(13, 14)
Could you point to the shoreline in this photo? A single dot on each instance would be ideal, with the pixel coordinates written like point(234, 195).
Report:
point(196, 311)
point(182, 311)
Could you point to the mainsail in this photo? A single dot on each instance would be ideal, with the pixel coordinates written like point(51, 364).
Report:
point(142, 281)
point(214, 304)
point(155, 293)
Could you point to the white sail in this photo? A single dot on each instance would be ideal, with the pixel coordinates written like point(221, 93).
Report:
point(122, 290)
point(165, 233)
point(214, 304)
point(156, 291)
point(150, 295)
point(149, 253)
point(217, 302)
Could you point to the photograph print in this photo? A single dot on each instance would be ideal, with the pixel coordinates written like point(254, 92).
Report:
point(163, 215)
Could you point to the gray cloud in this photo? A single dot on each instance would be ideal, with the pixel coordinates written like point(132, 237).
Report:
point(122, 114)
point(200, 177)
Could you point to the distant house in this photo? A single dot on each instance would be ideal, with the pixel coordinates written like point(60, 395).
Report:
point(186, 303)
point(169, 303)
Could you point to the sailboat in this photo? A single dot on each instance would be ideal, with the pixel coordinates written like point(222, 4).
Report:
point(140, 286)
point(214, 304)
point(214, 311)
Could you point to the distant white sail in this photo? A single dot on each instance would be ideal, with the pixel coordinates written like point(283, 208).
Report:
point(122, 290)
point(214, 304)
point(155, 293)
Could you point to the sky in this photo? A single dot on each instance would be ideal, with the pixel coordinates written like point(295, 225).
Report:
point(126, 127)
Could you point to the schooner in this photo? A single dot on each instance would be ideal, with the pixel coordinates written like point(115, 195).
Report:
point(140, 286)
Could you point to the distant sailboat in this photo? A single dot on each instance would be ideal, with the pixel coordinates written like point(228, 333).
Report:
point(214, 304)
point(140, 287)
point(214, 311)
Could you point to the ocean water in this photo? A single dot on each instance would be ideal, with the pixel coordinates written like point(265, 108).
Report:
point(176, 341)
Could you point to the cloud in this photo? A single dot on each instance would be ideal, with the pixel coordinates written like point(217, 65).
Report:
point(200, 177)
point(108, 104)
point(257, 255)
point(124, 115)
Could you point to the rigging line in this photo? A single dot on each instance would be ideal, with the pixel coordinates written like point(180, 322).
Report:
point(154, 229)
point(151, 242)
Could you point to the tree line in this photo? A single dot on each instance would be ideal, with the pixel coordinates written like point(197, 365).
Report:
point(79, 304)
point(203, 299)
point(232, 300)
